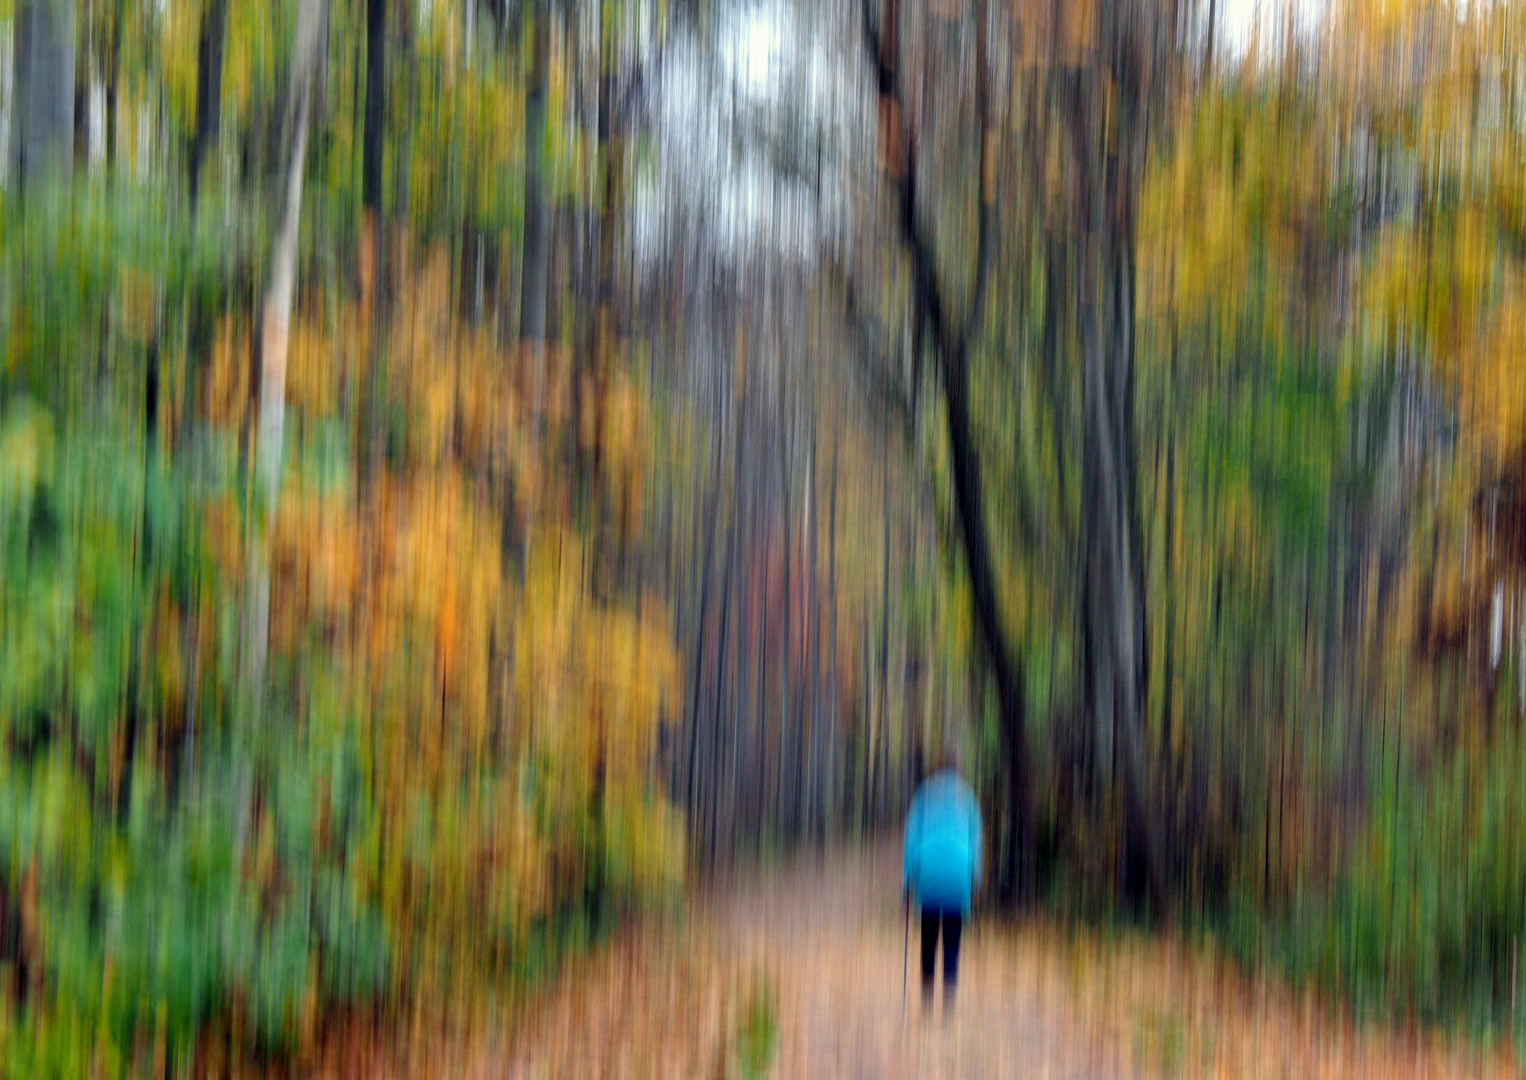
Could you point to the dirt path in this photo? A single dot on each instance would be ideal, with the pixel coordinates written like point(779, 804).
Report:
point(670, 1000)
point(824, 935)
point(829, 933)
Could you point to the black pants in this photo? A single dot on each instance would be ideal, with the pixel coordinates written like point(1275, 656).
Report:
point(951, 924)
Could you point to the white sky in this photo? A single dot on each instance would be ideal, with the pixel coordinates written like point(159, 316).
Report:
point(1237, 16)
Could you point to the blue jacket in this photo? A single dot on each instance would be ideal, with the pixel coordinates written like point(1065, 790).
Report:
point(943, 843)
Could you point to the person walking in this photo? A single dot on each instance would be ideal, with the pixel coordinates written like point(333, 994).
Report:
point(941, 868)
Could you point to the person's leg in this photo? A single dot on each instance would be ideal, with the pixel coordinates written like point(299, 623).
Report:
point(953, 925)
point(929, 954)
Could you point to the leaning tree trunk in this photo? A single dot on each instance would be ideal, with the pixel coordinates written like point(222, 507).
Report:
point(953, 338)
point(275, 334)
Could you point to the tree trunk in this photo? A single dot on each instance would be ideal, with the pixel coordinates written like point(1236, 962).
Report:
point(81, 108)
point(788, 817)
point(815, 820)
point(275, 335)
point(113, 80)
point(1213, 18)
point(881, 801)
point(1011, 685)
point(832, 802)
point(372, 136)
point(1114, 631)
point(742, 684)
point(537, 248)
point(372, 248)
point(42, 101)
point(717, 720)
point(688, 787)
point(611, 153)
point(209, 84)
point(952, 339)
point(1168, 762)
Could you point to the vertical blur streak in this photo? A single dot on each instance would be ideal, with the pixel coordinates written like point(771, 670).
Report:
point(42, 102)
point(275, 337)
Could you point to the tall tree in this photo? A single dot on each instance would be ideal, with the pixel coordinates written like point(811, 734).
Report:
point(275, 332)
point(1109, 142)
point(374, 128)
point(113, 83)
point(611, 145)
point(952, 336)
point(537, 247)
point(373, 252)
point(80, 111)
point(209, 85)
point(832, 806)
point(42, 108)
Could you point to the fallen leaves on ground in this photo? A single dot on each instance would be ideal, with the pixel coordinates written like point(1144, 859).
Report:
point(669, 998)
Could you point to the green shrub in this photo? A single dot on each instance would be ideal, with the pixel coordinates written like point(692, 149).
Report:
point(1426, 918)
point(758, 1031)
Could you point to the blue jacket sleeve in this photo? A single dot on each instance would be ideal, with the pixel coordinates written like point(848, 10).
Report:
point(912, 843)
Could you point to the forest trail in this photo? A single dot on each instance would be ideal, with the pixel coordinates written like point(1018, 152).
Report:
point(825, 934)
point(669, 1000)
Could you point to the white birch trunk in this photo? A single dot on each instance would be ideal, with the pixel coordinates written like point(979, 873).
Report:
point(275, 337)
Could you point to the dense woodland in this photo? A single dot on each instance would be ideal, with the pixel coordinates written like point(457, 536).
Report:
point(470, 468)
